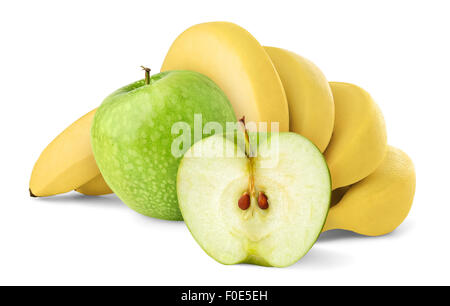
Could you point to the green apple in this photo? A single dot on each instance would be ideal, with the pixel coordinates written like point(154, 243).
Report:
point(266, 208)
point(133, 136)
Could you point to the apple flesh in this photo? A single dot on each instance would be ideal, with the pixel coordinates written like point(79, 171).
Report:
point(287, 169)
point(132, 136)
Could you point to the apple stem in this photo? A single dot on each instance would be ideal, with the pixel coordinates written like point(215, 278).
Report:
point(147, 75)
point(246, 137)
point(249, 154)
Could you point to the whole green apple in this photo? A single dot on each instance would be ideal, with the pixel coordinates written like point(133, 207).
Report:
point(134, 136)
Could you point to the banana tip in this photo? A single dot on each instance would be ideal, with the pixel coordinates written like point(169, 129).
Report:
point(31, 193)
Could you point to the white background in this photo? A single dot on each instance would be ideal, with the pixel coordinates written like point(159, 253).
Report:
point(59, 59)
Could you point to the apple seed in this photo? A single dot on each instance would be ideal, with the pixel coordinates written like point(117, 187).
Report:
point(244, 201)
point(262, 201)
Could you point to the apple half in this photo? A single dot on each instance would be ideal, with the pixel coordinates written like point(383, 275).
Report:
point(266, 208)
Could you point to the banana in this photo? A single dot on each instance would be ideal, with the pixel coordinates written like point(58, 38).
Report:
point(311, 105)
point(235, 61)
point(67, 162)
point(379, 203)
point(96, 186)
point(359, 141)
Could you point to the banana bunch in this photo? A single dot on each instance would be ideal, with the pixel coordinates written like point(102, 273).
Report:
point(373, 183)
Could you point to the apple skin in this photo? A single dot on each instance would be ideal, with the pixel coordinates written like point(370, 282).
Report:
point(131, 136)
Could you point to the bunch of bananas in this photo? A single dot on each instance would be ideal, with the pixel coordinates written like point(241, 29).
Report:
point(373, 183)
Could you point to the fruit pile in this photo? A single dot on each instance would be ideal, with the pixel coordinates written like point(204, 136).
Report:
point(310, 155)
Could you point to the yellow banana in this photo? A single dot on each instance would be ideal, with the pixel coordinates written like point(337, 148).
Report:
point(67, 162)
point(96, 186)
point(359, 141)
point(379, 203)
point(235, 61)
point(311, 106)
